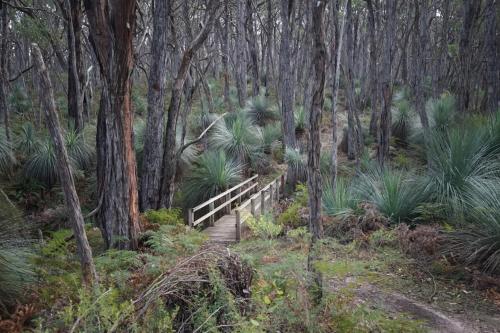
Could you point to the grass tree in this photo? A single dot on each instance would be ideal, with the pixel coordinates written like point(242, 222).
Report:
point(7, 158)
point(213, 172)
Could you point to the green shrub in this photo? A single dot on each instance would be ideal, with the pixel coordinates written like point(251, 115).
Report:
point(27, 142)
point(16, 252)
point(41, 165)
point(260, 111)
point(271, 135)
point(174, 240)
point(19, 100)
point(165, 216)
point(80, 152)
point(212, 173)
point(459, 162)
point(296, 161)
point(291, 216)
point(7, 158)
point(402, 121)
point(264, 227)
point(300, 120)
point(396, 194)
point(442, 111)
point(342, 201)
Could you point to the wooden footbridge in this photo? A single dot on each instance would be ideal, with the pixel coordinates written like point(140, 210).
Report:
point(224, 215)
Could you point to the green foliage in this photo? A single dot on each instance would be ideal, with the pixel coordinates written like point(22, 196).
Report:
point(260, 111)
point(264, 227)
point(19, 100)
point(300, 120)
point(165, 216)
point(479, 242)
point(41, 165)
point(296, 161)
point(27, 142)
point(291, 216)
point(271, 136)
point(80, 152)
point(16, 271)
point(459, 162)
point(174, 240)
point(115, 266)
point(342, 201)
point(402, 120)
point(442, 111)
point(212, 173)
point(300, 234)
point(7, 158)
point(396, 194)
point(139, 102)
point(239, 138)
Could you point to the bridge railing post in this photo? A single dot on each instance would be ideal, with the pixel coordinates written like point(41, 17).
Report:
point(262, 202)
point(190, 217)
point(271, 196)
point(228, 207)
point(282, 180)
point(252, 206)
point(238, 225)
point(212, 217)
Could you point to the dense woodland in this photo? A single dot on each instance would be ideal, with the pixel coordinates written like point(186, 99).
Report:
point(119, 116)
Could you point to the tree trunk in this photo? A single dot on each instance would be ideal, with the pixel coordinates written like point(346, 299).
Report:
point(314, 143)
point(373, 70)
point(384, 132)
point(241, 59)
point(111, 24)
point(153, 141)
point(225, 56)
point(64, 171)
point(287, 88)
point(470, 13)
point(72, 9)
point(170, 153)
point(4, 105)
point(492, 94)
point(269, 53)
point(252, 47)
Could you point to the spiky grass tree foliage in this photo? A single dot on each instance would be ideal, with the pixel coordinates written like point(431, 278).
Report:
point(239, 138)
point(479, 242)
point(300, 120)
point(341, 202)
point(271, 136)
point(79, 150)
point(297, 161)
point(212, 173)
point(7, 158)
point(260, 111)
point(442, 111)
point(16, 272)
point(27, 142)
point(41, 165)
point(460, 161)
point(395, 193)
point(402, 121)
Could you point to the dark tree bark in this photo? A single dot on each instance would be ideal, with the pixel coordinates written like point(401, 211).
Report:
point(73, 12)
point(241, 58)
point(420, 42)
point(252, 48)
point(225, 55)
point(287, 87)
point(170, 156)
point(269, 53)
point(155, 124)
point(470, 13)
point(111, 24)
point(4, 105)
point(384, 132)
point(314, 143)
point(492, 78)
point(373, 69)
point(64, 170)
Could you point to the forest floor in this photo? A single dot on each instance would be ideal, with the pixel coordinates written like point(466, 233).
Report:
point(370, 287)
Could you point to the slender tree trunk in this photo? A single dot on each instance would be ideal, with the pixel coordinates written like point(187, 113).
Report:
point(252, 47)
point(269, 53)
point(72, 8)
point(373, 70)
point(170, 153)
point(470, 13)
point(111, 35)
point(64, 171)
point(225, 55)
point(286, 87)
point(4, 105)
point(384, 132)
point(492, 95)
point(241, 59)
point(314, 144)
point(155, 124)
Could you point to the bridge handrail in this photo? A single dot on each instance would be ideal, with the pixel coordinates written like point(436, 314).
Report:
point(223, 194)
